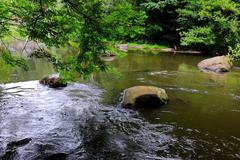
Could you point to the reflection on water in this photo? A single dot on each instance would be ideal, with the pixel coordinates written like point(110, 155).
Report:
point(203, 108)
point(83, 121)
point(38, 68)
point(5, 71)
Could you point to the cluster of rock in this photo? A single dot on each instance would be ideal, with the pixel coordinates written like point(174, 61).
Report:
point(138, 96)
point(150, 96)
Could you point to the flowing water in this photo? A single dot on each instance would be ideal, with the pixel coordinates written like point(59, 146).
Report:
point(85, 121)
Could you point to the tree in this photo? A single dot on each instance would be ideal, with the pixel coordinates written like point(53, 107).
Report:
point(87, 25)
point(124, 22)
point(212, 25)
point(56, 23)
point(162, 20)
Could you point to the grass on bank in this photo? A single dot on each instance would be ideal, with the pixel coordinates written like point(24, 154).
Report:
point(111, 50)
point(148, 46)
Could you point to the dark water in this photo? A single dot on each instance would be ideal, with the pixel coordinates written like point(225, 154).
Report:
point(84, 121)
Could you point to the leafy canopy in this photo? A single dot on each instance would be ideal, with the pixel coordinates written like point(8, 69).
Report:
point(212, 23)
point(82, 24)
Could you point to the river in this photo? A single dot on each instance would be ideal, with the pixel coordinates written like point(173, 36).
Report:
point(85, 121)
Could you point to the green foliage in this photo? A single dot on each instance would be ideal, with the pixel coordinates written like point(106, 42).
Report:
point(13, 60)
point(5, 71)
point(83, 25)
point(234, 53)
point(4, 16)
point(124, 22)
point(111, 50)
point(87, 27)
point(160, 4)
point(55, 23)
point(213, 23)
point(148, 46)
point(210, 25)
point(198, 35)
point(162, 17)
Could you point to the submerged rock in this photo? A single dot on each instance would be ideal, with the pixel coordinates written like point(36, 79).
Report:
point(57, 156)
point(11, 150)
point(20, 143)
point(219, 64)
point(53, 82)
point(144, 96)
point(108, 58)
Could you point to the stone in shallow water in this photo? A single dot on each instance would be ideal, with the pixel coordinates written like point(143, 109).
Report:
point(11, 150)
point(219, 64)
point(57, 156)
point(144, 96)
point(19, 143)
point(53, 82)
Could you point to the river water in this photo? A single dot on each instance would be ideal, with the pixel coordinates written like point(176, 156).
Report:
point(85, 121)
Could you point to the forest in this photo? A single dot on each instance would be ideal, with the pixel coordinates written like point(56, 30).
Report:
point(119, 79)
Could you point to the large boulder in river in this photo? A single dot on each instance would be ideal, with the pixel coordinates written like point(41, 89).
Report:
point(144, 96)
point(53, 82)
point(219, 64)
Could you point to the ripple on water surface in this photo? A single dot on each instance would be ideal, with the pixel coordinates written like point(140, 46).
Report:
point(42, 123)
point(71, 123)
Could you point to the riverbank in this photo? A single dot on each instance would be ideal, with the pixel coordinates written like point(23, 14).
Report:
point(153, 48)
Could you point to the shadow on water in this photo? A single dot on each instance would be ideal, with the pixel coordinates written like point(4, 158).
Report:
point(83, 121)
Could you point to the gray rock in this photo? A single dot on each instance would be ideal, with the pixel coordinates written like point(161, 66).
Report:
point(219, 64)
point(122, 47)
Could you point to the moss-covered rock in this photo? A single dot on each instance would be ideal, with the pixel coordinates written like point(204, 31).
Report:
point(144, 96)
point(53, 82)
